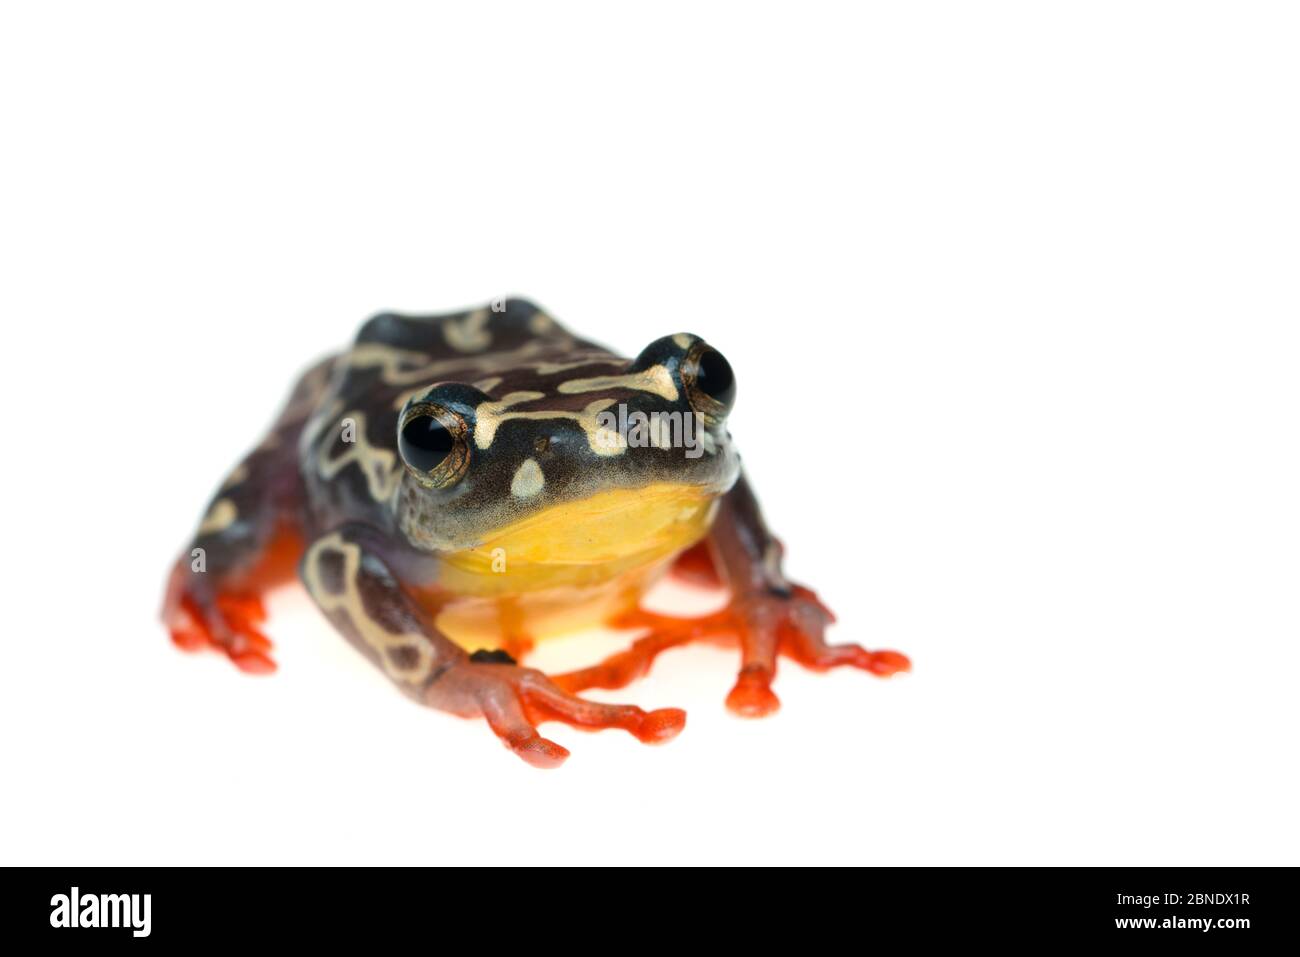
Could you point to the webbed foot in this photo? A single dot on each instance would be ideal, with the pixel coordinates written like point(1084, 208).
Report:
point(515, 700)
point(790, 622)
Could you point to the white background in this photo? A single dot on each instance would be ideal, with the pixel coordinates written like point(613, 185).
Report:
point(1011, 292)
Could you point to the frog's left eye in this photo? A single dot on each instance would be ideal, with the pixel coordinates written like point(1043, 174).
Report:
point(433, 442)
point(710, 383)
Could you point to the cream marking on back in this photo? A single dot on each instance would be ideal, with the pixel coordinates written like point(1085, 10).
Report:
point(550, 368)
point(373, 633)
point(469, 334)
point(683, 340)
point(380, 466)
point(528, 480)
point(220, 517)
point(657, 380)
point(390, 361)
point(602, 440)
point(491, 382)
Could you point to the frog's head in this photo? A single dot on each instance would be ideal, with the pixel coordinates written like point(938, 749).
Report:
point(558, 467)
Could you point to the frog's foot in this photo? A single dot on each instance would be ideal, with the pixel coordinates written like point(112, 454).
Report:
point(515, 700)
point(227, 622)
point(793, 624)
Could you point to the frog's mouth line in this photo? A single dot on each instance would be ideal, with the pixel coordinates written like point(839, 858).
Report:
point(591, 538)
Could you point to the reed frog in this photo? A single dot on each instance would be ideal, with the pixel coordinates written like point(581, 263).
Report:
point(452, 489)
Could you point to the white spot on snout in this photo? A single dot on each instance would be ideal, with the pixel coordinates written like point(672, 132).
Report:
point(469, 334)
point(528, 480)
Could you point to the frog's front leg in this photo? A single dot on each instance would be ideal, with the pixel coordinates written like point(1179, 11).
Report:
point(356, 586)
point(767, 615)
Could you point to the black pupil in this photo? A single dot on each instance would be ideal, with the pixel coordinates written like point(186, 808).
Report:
point(715, 379)
point(425, 442)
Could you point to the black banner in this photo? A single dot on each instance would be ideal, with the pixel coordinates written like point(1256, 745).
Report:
point(1221, 908)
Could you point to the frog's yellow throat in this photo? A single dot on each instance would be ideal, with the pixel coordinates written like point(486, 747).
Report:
point(572, 565)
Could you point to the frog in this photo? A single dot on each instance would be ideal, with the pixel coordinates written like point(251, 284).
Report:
point(452, 489)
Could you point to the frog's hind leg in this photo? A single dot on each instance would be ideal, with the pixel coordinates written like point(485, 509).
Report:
point(248, 543)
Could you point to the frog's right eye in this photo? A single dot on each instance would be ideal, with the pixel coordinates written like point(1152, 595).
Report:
point(425, 443)
point(434, 444)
